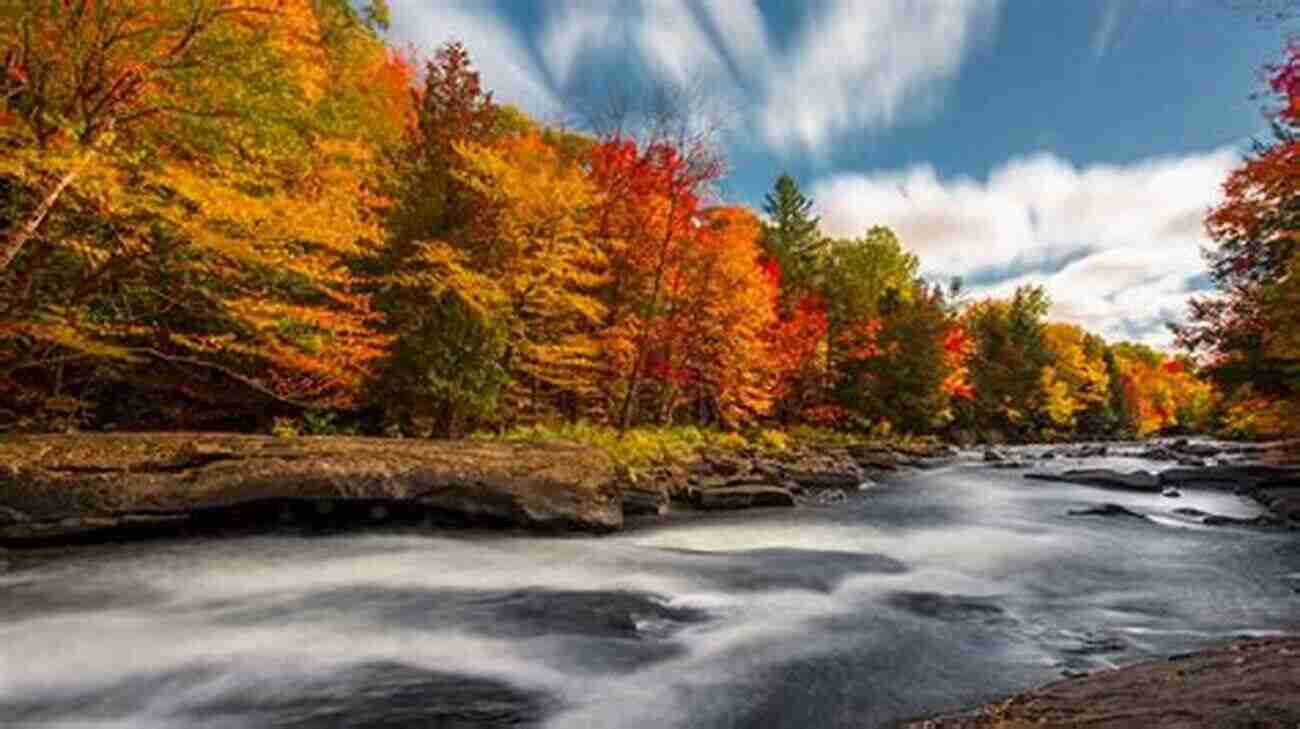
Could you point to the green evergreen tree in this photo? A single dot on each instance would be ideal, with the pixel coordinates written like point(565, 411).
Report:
point(793, 236)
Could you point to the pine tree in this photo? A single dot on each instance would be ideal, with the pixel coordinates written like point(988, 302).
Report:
point(792, 237)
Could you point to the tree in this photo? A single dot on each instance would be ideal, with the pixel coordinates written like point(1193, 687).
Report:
point(793, 237)
point(1007, 361)
point(652, 209)
point(906, 379)
point(430, 277)
point(712, 348)
point(187, 186)
point(1244, 330)
point(1075, 381)
point(537, 250)
point(860, 276)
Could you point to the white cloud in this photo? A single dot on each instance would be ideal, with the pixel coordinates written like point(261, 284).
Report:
point(856, 64)
point(1132, 233)
point(852, 64)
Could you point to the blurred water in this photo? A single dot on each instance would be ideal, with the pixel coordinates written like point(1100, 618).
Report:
point(935, 591)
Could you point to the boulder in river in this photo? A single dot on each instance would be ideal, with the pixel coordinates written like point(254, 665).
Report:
point(637, 502)
point(1106, 510)
point(743, 497)
point(1103, 478)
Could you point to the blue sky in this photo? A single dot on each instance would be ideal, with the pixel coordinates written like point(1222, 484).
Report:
point(1071, 143)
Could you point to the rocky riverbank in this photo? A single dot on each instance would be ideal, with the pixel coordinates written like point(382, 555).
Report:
point(1268, 473)
point(1247, 683)
point(67, 489)
point(64, 488)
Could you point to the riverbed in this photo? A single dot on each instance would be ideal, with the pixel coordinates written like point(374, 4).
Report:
point(937, 590)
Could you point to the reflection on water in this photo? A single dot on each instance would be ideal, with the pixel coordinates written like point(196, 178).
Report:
point(933, 592)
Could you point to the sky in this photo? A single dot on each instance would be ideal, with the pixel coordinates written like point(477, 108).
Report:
point(1075, 144)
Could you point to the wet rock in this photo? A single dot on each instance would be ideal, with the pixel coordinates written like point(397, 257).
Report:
point(1264, 520)
point(992, 456)
point(1009, 465)
point(1203, 450)
point(10, 516)
point(946, 607)
point(644, 503)
point(1106, 510)
point(1250, 683)
point(743, 497)
point(1157, 453)
point(1091, 645)
point(70, 487)
point(1169, 492)
point(1285, 502)
point(827, 497)
point(846, 479)
point(374, 694)
point(1104, 478)
point(1190, 512)
point(1240, 476)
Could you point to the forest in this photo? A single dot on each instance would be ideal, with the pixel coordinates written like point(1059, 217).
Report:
point(223, 215)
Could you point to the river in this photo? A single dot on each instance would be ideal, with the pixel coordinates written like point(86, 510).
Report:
point(938, 590)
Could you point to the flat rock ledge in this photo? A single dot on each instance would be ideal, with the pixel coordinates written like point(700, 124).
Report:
point(1275, 487)
point(1249, 683)
point(68, 488)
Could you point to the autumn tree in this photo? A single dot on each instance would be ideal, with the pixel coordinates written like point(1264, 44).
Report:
point(445, 366)
point(1007, 361)
point(1075, 381)
point(183, 189)
point(905, 376)
point(1245, 329)
point(859, 276)
point(542, 270)
point(712, 351)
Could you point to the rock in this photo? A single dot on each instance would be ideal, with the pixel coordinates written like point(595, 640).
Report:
point(743, 497)
point(1192, 512)
point(1242, 476)
point(644, 503)
point(1259, 521)
point(1104, 478)
point(10, 516)
point(1285, 502)
point(1169, 492)
point(1048, 456)
point(1157, 453)
point(1009, 465)
point(826, 498)
point(727, 466)
point(1250, 683)
point(66, 486)
point(1203, 450)
point(826, 479)
point(992, 456)
point(1106, 510)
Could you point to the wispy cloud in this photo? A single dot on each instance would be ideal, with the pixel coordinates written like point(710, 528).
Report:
point(852, 64)
point(1103, 38)
point(1130, 234)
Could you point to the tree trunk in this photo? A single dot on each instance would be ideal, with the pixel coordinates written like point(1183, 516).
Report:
point(24, 231)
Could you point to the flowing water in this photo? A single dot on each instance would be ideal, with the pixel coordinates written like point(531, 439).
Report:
point(936, 591)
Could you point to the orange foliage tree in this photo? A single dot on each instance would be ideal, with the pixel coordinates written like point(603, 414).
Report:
point(185, 189)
